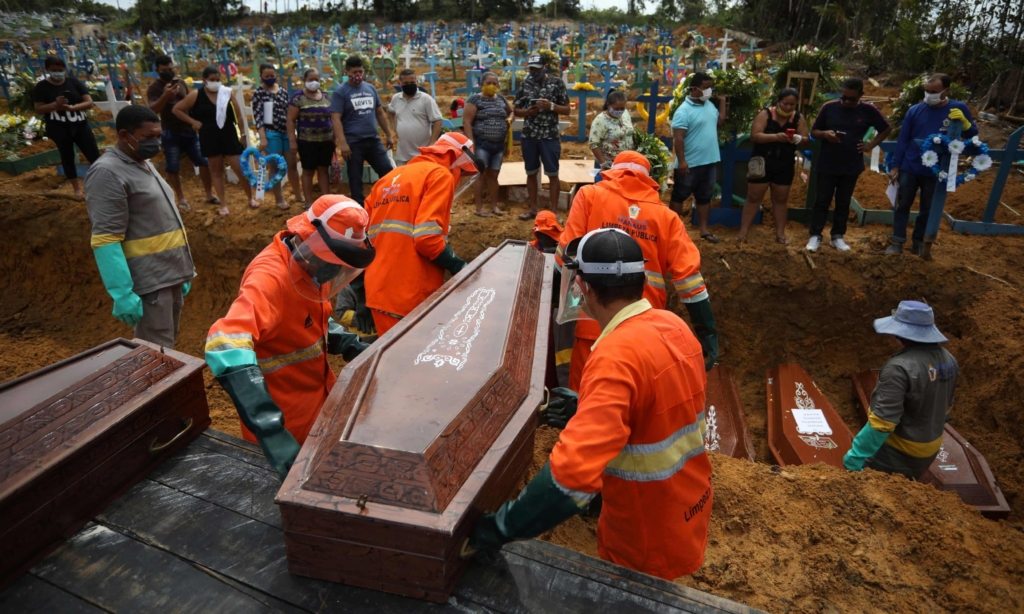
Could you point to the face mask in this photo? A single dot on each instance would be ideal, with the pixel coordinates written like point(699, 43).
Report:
point(312, 85)
point(409, 89)
point(356, 80)
point(933, 100)
point(781, 113)
point(57, 75)
point(213, 86)
point(489, 89)
point(616, 113)
point(537, 76)
point(146, 149)
point(167, 75)
point(270, 82)
point(705, 95)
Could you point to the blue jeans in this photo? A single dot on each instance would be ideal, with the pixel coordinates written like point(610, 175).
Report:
point(370, 150)
point(909, 186)
point(176, 142)
point(537, 151)
point(491, 154)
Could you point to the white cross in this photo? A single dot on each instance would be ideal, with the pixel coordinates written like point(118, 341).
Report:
point(479, 57)
point(725, 58)
point(407, 55)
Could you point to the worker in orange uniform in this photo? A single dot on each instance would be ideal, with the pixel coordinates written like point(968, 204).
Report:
point(627, 198)
point(638, 435)
point(410, 210)
point(546, 232)
point(270, 351)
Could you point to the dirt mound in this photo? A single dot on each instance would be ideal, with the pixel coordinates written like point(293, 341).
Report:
point(819, 539)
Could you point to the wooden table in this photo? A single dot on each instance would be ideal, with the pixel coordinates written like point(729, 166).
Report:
point(202, 534)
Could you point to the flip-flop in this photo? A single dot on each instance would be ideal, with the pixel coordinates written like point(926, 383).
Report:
point(213, 201)
point(782, 240)
point(710, 238)
point(223, 211)
point(497, 212)
point(255, 204)
point(184, 206)
point(529, 215)
point(283, 205)
point(482, 213)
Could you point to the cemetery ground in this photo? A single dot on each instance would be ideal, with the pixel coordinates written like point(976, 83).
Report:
point(804, 539)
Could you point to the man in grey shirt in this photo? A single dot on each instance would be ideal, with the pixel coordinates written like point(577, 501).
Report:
point(416, 118)
point(138, 238)
point(912, 401)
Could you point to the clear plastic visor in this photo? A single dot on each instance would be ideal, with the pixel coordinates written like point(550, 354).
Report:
point(315, 272)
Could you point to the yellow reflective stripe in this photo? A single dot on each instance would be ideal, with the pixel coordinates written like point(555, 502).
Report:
point(562, 357)
point(155, 244)
point(426, 228)
point(633, 309)
point(689, 283)
point(218, 341)
point(101, 240)
point(913, 448)
point(559, 252)
point(398, 226)
point(273, 363)
point(655, 279)
point(880, 425)
point(662, 460)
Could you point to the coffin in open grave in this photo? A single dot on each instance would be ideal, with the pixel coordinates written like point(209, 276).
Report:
point(727, 426)
point(803, 427)
point(76, 435)
point(959, 466)
point(424, 431)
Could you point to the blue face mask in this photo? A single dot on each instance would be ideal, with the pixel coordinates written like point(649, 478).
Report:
point(270, 82)
point(616, 113)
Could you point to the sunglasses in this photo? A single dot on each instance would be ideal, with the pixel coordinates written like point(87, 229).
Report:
point(849, 98)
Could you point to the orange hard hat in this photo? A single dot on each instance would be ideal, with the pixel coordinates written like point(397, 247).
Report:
point(343, 219)
point(448, 152)
point(546, 223)
point(627, 160)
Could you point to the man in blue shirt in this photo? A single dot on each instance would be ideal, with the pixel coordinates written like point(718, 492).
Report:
point(841, 126)
point(695, 139)
point(922, 120)
point(356, 111)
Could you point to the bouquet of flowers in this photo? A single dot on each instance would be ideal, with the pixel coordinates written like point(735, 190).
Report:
point(745, 96)
point(652, 148)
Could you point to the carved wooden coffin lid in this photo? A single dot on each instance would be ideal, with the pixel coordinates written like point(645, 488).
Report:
point(959, 466)
point(803, 427)
point(410, 419)
point(48, 414)
point(727, 426)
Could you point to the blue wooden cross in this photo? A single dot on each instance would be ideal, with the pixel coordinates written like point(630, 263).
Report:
point(581, 108)
point(652, 100)
point(433, 60)
point(988, 226)
point(608, 71)
point(472, 83)
point(431, 77)
point(931, 231)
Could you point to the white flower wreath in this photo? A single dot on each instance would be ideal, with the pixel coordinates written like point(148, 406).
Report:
point(929, 158)
point(956, 147)
point(982, 162)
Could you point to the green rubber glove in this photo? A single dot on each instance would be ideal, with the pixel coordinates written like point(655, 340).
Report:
point(340, 341)
point(867, 442)
point(540, 507)
point(448, 260)
point(561, 408)
point(117, 279)
point(363, 319)
point(703, 321)
point(261, 415)
point(186, 288)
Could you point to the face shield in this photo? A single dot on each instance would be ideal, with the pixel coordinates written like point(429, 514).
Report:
point(571, 305)
point(323, 264)
point(467, 168)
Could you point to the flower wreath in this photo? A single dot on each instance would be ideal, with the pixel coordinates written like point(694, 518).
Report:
point(936, 144)
point(251, 153)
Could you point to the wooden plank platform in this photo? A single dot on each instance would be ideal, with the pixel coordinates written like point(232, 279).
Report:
point(569, 171)
point(201, 534)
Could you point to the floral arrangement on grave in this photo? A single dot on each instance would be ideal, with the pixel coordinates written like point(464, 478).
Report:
point(745, 96)
point(17, 131)
point(551, 59)
point(521, 45)
point(652, 148)
point(266, 47)
point(936, 144)
point(913, 93)
point(583, 85)
point(810, 59)
point(505, 80)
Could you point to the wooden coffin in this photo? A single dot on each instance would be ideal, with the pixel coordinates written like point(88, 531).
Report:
point(803, 427)
point(76, 435)
point(727, 426)
point(959, 466)
point(427, 429)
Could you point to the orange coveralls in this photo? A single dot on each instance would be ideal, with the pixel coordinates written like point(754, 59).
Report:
point(638, 439)
point(272, 319)
point(629, 201)
point(410, 211)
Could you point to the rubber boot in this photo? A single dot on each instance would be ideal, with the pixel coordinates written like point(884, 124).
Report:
point(926, 250)
point(895, 248)
point(916, 248)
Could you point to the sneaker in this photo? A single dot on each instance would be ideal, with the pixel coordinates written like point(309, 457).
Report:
point(813, 244)
point(895, 248)
point(839, 244)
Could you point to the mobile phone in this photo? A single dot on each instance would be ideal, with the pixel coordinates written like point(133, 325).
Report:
point(838, 133)
point(66, 94)
point(533, 102)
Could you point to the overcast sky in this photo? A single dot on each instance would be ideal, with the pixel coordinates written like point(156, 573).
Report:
point(255, 4)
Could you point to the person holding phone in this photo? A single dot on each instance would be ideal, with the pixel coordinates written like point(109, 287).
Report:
point(842, 124)
point(62, 102)
point(177, 137)
point(541, 99)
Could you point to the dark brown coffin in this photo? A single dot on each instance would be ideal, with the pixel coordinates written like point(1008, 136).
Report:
point(959, 467)
point(727, 426)
point(76, 435)
point(789, 387)
point(427, 429)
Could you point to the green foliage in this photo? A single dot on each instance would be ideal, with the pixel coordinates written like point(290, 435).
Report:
point(652, 148)
point(803, 59)
point(913, 93)
point(21, 95)
point(745, 94)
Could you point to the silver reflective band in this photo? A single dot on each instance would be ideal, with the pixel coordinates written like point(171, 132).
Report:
point(611, 268)
point(630, 166)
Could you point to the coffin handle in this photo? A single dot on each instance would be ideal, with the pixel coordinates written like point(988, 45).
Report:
point(547, 399)
point(155, 448)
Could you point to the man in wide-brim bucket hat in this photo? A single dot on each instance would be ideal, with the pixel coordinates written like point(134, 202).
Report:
point(912, 401)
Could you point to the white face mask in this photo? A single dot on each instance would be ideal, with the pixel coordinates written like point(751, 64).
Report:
point(705, 95)
point(933, 100)
point(312, 85)
point(213, 86)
